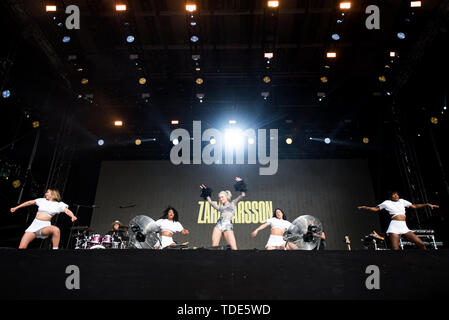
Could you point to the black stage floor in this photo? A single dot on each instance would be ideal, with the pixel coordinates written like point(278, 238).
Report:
point(222, 275)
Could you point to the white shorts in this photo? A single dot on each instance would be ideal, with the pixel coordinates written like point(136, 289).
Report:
point(275, 241)
point(224, 224)
point(36, 226)
point(398, 227)
point(166, 241)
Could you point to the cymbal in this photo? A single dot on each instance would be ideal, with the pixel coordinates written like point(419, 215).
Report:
point(81, 228)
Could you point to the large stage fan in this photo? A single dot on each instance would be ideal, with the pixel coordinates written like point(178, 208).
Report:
point(304, 233)
point(143, 233)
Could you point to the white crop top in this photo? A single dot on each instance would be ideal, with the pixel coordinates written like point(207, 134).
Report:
point(279, 223)
point(395, 208)
point(50, 207)
point(169, 225)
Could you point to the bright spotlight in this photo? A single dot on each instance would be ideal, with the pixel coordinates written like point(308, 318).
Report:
point(331, 54)
point(232, 121)
point(138, 142)
point(6, 94)
point(327, 141)
point(130, 39)
point(118, 123)
point(365, 140)
point(251, 141)
point(273, 4)
point(233, 137)
point(194, 39)
point(175, 122)
point(415, 4)
point(50, 8)
point(268, 55)
point(100, 142)
point(392, 54)
point(345, 5)
point(66, 39)
point(288, 141)
point(190, 7)
point(175, 141)
point(212, 141)
point(336, 36)
point(401, 35)
point(142, 80)
point(120, 7)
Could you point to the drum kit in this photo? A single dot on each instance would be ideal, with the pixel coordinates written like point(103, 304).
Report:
point(86, 239)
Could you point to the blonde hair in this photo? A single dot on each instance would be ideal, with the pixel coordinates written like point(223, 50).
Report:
point(227, 193)
point(55, 195)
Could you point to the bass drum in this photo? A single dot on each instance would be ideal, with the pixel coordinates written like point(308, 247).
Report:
point(98, 246)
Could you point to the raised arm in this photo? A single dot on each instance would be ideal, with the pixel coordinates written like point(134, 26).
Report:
point(217, 207)
point(261, 227)
point(423, 205)
point(70, 214)
point(240, 197)
point(373, 209)
point(25, 204)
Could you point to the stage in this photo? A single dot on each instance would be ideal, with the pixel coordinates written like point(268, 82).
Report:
point(222, 275)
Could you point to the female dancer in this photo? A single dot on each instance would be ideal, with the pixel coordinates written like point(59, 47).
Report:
point(396, 207)
point(169, 224)
point(41, 226)
point(279, 225)
point(224, 224)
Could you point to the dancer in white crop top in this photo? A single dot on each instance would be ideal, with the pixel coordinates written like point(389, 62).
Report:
point(169, 225)
point(396, 207)
point(41, 226)
point(279, 225)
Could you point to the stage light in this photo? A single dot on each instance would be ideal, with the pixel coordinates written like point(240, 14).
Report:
point(401, 35)
point(340, 21)
point(194, 39)
point(192, 23)
point(265, 94)
point(118, 123)
point(200, 96)
point(138, 142)
point(331, 54)
point(175, 122)
point(35, 124)
point(392, 54)
point(175, 141)
point(199, 80)
point(130, 39)
point(365, 140)
point(196, 57)
point(434, 120)
point(323, 79)
point(233, 137)
point(388, 93)
point(16, 184)
point(50, 8)
point(251, 141)
point(232, 121)
point(120, 7)
point(268, 55)
point(288, 141)
point(100, 142)
point(142, 80)
point(66, 39)
point(335, 36)
point(266, 79)
point(345, 5)
point(415, 4)
point(6, 94)
point(84, 81)
point(191, 7)
point(327, 141)
point(79, 69)
point(382, 78)
point(212, 141)
point(273, 4)
point(197, 69)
